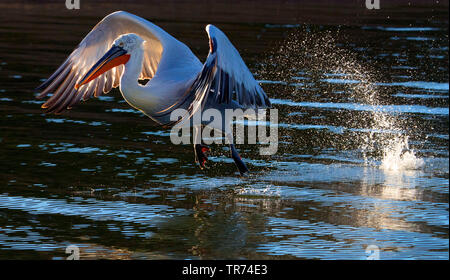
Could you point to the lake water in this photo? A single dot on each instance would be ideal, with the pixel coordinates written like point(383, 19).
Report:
point(362, 157)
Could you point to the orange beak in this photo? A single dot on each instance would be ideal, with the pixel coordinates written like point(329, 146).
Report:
point(114, 57)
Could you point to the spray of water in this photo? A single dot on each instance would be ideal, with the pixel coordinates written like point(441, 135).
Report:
point(317, 53)
point(397, 156)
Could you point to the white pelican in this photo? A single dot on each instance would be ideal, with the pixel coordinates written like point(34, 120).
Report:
point(124, 48)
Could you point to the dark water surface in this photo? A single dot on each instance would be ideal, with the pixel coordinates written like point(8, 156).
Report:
point(362, 158)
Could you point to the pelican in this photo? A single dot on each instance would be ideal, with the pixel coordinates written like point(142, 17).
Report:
point(124, 48)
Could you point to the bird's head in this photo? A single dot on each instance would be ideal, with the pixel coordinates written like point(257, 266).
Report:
point(129, 42)
point(119, 53)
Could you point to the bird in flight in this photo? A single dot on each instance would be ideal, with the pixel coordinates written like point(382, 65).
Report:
point(124, 48)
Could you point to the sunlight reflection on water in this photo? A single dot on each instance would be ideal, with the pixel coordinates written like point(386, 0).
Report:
point(363, 156)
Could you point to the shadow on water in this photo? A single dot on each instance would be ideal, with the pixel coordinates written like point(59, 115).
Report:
point(362, 157)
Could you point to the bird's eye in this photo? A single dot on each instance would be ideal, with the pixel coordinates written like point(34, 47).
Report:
point(121, 44)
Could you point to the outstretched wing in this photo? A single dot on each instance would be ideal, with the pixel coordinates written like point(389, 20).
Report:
point(225, 78)
point(62, 82)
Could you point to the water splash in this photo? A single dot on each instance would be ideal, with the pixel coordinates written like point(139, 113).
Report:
point(397, 156)
point(319, 55)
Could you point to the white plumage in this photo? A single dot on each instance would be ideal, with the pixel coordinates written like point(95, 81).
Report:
point(123, 48)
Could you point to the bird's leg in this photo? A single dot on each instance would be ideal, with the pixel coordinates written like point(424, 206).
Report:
point(238, 161)
point(199, 149)
point(235, 155)
point(200, 156)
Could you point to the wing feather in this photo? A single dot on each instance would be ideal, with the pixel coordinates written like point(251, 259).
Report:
point(225, 78)
point(100, 86)
point(91, 48)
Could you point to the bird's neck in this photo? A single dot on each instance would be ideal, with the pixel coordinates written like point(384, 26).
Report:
point(134, 93)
